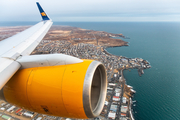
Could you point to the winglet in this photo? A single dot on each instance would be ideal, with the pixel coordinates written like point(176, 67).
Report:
point(43, 14)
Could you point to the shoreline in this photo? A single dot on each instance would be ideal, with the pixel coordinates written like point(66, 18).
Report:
point(131, 89)
point(130, 99)
point(104, 50)
point(74, 38)
point(132, 117)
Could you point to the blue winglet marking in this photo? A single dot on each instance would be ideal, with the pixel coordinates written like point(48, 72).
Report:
point(43, 14)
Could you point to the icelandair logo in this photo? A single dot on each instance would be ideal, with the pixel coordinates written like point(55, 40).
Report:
point(43, 14)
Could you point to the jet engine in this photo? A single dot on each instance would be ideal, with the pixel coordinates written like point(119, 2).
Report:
point(58, 85)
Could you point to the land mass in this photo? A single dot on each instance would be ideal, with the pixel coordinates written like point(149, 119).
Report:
point(76, 35)
point(89, 44)
point(73, 35)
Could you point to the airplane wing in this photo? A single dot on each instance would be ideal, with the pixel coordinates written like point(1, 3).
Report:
point(54, 84)
point(19, 45)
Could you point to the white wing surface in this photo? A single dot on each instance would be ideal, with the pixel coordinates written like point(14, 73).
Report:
point(19, 45)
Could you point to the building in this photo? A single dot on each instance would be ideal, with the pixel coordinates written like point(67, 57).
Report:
point(111, 115)
point(124, 109)
point(109, 88)
point(6, 117)
point(28, 114)
point(116, 98)
point(124, 61)
point(2, 108)
point(123, 114)
point(106, 103)
point(112, 84)
point(117, 90)
point(113, 108)
point(10, 109)
point(115, 75)
point(117, 94)
point(124, 100)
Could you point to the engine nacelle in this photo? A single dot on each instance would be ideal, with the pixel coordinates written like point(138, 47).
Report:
point(73, 90)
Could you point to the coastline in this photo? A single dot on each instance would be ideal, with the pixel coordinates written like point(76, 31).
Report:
point(104, 50)
point(130, 110)
point(157, 77)
point(131, 88)
point(132, 117)
point(130, 99)
point(52, 44)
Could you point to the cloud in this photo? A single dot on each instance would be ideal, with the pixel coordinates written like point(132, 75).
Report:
point(63, 10)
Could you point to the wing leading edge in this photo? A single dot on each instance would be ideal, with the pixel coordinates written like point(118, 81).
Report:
point(19, 45)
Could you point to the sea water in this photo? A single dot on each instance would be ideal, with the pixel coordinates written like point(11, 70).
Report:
point(158, 90)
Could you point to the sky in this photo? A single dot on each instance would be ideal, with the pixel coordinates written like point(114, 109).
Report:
point(92, 10)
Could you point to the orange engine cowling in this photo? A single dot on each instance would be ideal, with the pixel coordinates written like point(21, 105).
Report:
point(74, 90)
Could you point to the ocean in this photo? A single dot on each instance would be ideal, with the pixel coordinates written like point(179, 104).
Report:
point(158, 90)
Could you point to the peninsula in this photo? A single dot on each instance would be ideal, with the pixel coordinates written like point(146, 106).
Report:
point(73, 35)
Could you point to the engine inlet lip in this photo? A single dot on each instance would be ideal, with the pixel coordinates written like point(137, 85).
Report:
point(91, 113)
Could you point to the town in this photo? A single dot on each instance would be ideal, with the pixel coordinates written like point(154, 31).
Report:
point(119, 95)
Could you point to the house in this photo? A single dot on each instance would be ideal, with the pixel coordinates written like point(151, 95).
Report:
point(123, 114)
point(113, 108)
point(117, 94)
point(111, 115)
point(124, 109)
point(124, 100)
point(117, 90)
point(116, 98)
point(112, 84)
point(106, 103)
